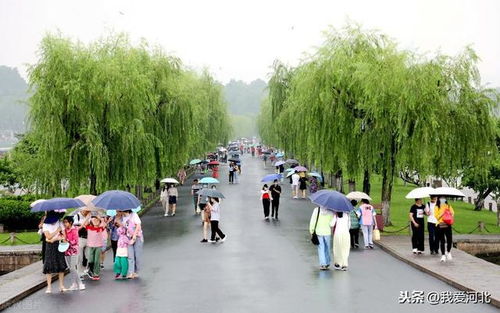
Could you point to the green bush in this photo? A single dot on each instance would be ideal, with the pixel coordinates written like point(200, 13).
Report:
point(16, 215)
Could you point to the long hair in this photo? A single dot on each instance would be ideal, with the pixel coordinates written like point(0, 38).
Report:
point(264, 187)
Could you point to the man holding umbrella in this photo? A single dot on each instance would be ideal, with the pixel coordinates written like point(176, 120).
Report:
point(275, 202)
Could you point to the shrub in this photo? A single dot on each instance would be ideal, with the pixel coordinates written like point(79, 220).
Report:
point(16, 215)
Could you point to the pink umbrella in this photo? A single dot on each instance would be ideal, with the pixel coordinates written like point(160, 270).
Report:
point(300, 169)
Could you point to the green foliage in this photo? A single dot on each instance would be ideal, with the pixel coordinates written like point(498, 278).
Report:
point(15, 214)
point(8, 178)
point(360, 103)
point(112, 115)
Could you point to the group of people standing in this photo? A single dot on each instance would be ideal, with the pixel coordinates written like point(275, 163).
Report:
point(439, 220)
point(79, 243)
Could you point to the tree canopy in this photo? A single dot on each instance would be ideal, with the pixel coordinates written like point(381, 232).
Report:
point(111, 115)
point(359, 104)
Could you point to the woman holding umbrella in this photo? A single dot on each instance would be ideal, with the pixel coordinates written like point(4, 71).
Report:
point(54, 259)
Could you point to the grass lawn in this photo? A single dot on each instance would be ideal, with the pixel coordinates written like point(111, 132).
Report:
point(29, 237)
point(466, 219)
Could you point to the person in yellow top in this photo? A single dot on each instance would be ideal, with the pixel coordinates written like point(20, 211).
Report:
point(444, 231)
point(320, 223)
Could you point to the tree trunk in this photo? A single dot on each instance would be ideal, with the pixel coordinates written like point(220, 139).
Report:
point(366, 182)
point(352, 185)
point(339, 181)
point(479, 203)
point(387, 181)
point(93, 182)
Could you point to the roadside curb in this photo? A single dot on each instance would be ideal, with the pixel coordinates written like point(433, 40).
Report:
point(494, 301)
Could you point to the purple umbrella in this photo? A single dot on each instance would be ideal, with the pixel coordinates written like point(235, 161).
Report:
point(332, 200)
point(270, 178)
point(300, 169)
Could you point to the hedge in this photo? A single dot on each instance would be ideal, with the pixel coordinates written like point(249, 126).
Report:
point(16, 215)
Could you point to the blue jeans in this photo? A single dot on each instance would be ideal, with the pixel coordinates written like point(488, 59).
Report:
point(324, 250)
point(135, 256)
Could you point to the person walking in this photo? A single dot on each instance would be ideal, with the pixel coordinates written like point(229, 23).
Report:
point(295, 185)
point(303, 184)
point(417, 212)
point(341, 240)
point(121, 260)
point(54, 262)
point(275, 196)
point(164, 200)
point(181, 174)
point(195, 188)
point(265, 197)
point(133, 224)
point(95, 229)
point(231, 172)
point(320, 224)
point(172, 198)
point(71, 254)
point(354, 226)
point(431, 225)
point(236, 174)
point(205, 216)
point(83, 251)
point(444, 214)
point(214, 206)
point(368, 222)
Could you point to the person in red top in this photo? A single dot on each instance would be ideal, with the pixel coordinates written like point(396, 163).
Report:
point(266, 200)
point(215, 172)
point(71, 255)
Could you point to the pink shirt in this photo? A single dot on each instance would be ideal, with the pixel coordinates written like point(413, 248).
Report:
point(94, 236)
point(72, 238)
point(367, 214)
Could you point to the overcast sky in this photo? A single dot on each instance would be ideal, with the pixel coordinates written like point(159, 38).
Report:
point(240, 39)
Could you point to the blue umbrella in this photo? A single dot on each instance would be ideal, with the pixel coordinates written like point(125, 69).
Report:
point(270, 178)
point(317, 175)
point(209, 180)
point(332, 200)
point(280, 155)
point(57, 204)
point(116, 200)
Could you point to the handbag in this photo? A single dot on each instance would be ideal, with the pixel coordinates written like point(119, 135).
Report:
point(376, 234)
point(63, 246)
point(314, 236)
point(448, 217)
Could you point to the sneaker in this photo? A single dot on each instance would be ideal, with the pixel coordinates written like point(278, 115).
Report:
point(81, 287)
point(223, 239)
point(102, 266)
point(203, 240)
point(367, 247)
point(322, 268)
point(295, 197)
point(356, 245)
point(327, 266)
point(448, 256)
point(443, 258)
point(414, 251)
point(173, 214)
point(96, 278)
point(117, 276)
point(212, 241)
point(343, 268)
point(73, 287)
point(419, 252)
point(337, 267)
point(371, 247)
point(166, 214)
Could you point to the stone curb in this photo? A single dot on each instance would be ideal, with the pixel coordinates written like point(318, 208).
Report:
point(494, 301)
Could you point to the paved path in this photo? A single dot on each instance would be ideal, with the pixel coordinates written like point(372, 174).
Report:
point(465, 271)
point(262, 267)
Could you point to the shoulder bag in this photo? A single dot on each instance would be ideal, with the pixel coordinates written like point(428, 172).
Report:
point(314, 237)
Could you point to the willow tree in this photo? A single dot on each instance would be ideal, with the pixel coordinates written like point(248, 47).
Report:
point(113, 115)
point(361, 105)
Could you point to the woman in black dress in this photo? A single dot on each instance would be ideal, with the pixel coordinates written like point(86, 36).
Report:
point(54, 260)
point(303, 185)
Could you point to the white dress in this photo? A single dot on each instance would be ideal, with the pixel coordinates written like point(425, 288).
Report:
point(341, 239)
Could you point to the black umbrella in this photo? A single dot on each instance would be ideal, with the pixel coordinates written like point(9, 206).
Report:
point(292, 161)
point(235, 160)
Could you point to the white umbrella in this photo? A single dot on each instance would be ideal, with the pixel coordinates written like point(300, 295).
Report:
point(358, 195)
point(169, 181)
point(419, 193)
point(447, 191)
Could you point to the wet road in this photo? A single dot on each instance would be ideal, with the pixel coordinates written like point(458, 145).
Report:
point(262, 267)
